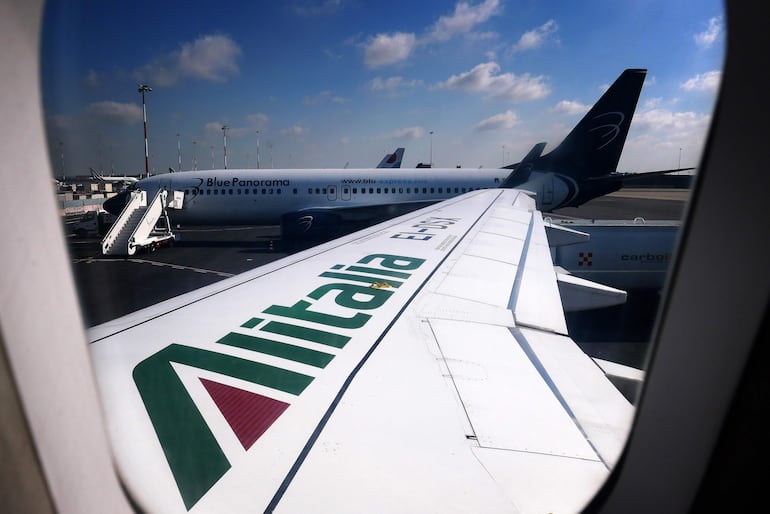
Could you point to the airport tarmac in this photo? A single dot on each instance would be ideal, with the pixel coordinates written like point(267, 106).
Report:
point(110, 287)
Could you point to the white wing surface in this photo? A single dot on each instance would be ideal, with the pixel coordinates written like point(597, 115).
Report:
point(421, 365)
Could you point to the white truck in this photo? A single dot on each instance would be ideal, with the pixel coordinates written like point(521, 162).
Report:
point(93, 224)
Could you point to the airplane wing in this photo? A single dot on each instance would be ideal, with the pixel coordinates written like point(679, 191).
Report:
point(419, 365)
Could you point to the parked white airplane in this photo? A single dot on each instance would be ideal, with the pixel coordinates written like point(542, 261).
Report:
point(125, 179)
point(322, 203)
point(693, 445)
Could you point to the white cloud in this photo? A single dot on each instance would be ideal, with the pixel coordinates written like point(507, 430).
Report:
point(115, 112)
point(316, 8)
point(391, 83)
point(259, 119)
point(708, 81)
point(406, 133)
point(323, 97)
point(385, 49)
point(484, 78)
point(295, 130)
point(570, 107)
point(652, 103)
point(535, 38)
point(213, 126)
point(663, 139)
point(91, 79)
point(212, 57)
point(709, 36)
point(659, 120)
point(256, 121)
point(60, 121)
point(505, 120)
point(464, 19)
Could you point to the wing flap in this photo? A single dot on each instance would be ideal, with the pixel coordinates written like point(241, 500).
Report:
point(601, 412)
point(509, 405)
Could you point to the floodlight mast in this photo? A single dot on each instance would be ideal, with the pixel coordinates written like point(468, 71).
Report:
point(144, 89)
point(224, 136)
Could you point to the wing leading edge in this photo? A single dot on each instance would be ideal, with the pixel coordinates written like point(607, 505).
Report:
point(420, 364)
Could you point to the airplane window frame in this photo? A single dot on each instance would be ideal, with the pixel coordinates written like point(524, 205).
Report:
point(740, 98)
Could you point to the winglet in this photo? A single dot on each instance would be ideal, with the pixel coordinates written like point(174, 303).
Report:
point(521, 172)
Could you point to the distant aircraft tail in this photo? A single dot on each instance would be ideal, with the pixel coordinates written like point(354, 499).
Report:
point(594, 146)
point(95, 175)
point(520, 172)
point(392, 160)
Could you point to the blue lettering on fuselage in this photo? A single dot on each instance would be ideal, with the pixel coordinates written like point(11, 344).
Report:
point(236, 182)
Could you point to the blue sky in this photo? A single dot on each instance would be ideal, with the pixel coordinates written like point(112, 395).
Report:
point(330, 83)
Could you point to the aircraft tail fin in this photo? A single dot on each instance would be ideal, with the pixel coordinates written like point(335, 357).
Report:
point(95, 175)
point(594, 146)
point(520, 172)
point(392, 160)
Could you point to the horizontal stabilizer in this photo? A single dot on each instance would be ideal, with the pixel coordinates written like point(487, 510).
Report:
point(632, 176)
point(579, 294)
point(561, 236)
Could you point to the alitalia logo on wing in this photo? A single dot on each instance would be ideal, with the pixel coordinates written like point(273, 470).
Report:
point(194, 456)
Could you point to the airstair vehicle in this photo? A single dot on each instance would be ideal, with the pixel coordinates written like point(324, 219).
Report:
point(141, 225)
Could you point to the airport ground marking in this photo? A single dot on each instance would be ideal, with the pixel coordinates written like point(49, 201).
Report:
point(223, 274)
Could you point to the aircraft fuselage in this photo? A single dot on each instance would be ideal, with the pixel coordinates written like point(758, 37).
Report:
point(233, 197)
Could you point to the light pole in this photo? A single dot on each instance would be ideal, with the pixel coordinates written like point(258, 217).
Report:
point(195, 156)
point(212, 156)
point(257, 149)
point(144, 89)
point(431, 148)
point(224, 136)
point(61, 149)
point(503, 162)
point(179, 152)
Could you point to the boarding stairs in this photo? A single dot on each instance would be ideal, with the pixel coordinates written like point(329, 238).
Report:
point(141, 225)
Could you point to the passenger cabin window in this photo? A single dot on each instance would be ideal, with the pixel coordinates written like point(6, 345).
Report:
point(474, 84)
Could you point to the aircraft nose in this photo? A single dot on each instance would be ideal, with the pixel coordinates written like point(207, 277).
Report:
point(116, 204)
